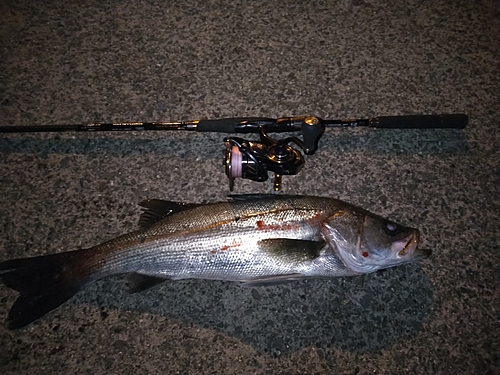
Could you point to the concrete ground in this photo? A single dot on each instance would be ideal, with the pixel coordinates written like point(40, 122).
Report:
point(87, 61)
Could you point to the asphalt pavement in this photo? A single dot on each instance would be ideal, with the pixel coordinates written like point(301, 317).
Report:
point(114, 61)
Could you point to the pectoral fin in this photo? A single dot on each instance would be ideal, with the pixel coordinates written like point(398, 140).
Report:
point(292, 250)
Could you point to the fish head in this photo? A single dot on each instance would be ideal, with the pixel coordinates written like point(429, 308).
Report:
point(367, 242)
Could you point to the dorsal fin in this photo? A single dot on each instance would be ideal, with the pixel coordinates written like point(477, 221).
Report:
point(157, 209)
point(247, 197)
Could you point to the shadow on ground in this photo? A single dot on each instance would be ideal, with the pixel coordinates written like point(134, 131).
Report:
point(408, 141)
point(357, 314)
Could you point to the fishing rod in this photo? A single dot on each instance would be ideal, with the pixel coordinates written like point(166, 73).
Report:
point(255, 159)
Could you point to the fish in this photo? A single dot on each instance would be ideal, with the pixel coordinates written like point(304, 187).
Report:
point(253, 239)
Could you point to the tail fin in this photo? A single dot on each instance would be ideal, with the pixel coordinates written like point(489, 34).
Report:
point(44, 283)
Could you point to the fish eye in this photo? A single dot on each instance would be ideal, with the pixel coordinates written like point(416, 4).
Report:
point(391, 228)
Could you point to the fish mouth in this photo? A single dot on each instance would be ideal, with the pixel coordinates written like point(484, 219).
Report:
point(411, 250)
point(422, 254)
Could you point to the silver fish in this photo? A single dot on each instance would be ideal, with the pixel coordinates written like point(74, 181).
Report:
point(252, 239)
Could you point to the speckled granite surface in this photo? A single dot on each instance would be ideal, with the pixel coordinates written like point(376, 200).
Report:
point(144, 60)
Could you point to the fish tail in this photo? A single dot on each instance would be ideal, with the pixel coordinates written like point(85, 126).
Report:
point(45, 282)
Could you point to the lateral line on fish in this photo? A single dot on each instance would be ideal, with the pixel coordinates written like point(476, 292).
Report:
point(151, 238)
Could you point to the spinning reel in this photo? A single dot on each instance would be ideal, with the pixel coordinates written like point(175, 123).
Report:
point(254, 160)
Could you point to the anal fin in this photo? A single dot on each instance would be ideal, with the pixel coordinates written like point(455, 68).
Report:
point(272, 280)
point(137, 282)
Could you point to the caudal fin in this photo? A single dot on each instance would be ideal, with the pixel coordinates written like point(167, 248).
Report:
point(44, 283)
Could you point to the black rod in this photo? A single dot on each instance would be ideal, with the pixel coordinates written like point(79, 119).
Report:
point(253, 124)
point(116, 126)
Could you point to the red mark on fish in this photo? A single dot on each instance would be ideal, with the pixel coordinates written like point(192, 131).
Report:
point(277, 226)
point(223, 248)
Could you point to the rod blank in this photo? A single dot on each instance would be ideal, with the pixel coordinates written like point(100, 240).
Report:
point(253, 124)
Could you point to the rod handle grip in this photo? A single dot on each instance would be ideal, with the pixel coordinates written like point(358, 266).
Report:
point(456, 120)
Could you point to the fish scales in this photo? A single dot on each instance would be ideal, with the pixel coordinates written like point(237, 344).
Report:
point(220, 241)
